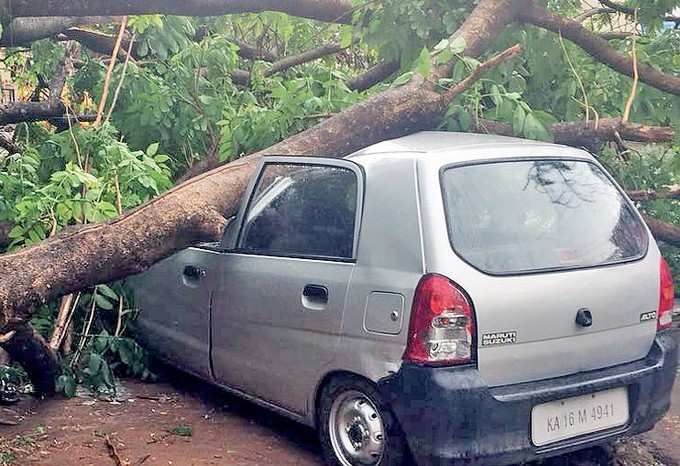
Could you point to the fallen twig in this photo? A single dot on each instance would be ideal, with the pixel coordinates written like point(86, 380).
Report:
point(113, 452)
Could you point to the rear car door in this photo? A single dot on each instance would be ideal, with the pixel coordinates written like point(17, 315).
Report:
point(174, 298)
point(278, 306)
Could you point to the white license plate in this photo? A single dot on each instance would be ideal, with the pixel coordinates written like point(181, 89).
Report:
point(572, 417)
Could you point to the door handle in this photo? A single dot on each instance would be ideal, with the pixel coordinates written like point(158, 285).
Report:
point(315, 294)
point(191, 271)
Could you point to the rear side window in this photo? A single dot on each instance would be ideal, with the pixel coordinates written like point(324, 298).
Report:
point(527, 216)
point(302, 211)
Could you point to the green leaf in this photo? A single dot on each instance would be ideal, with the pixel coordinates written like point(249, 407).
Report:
point(94, 363)
point(403, 79)
point(534, 129)
point(182, 430)
point(102, 302)
point(107, 291)
point(465, 120)
point(67, 385)
point(152, 149)
point(126, 354)
point(444, 56)
point(424, 63)
point(443, 44)
point(458, 45)
point(346, 36)
point(518, 120)
point(496, 95)
point(16, 232)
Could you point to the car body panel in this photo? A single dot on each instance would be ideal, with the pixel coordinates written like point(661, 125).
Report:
point(262, 329)
point(175, 321)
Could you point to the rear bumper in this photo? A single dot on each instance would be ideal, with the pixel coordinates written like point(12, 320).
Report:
point(451, 417)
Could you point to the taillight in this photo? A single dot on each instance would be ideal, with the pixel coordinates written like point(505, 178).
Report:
point(666, 298)
point(442, 328)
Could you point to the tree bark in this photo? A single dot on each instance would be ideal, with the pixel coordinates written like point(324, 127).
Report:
point(23, 31)
point(663, 231)
point(598, 47)
point(98, 42)
point(581, 133)
point(251, 52)
point(5, 228)
point(31, 350)
point(373, 76)
point(242, 77)
point(196, 210)
point(643, 196)
point(337, 11)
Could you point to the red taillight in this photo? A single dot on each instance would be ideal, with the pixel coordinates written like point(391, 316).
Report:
point(442, 327)
point(666, 298)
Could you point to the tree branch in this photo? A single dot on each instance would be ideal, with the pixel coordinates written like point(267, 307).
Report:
point(304, 57)
point(251, 52)
point(631, 11)
point(597, 47)
point(98, 42)
point(31, 350)
point(45, 110)
point(594, 12)
point(336, 11)
point(618, 35)
point(477, 73)
point(589, 134)
point(23, 31)
point(373, 76)
point(242, 77)
point(11, 147)
point(642, 196)
point(663, 231)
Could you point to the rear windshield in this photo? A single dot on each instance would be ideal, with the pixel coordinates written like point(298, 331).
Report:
point(527, 216)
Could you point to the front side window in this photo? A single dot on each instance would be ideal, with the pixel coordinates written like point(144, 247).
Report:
point(302, 211)
point(526, 216)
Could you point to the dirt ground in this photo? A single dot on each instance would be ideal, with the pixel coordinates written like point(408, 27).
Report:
point(191, 423)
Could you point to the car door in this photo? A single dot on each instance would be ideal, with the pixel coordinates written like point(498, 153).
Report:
point(174, 301)
point(278, 305)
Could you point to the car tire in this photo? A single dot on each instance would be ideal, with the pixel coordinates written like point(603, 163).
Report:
point(366, 434)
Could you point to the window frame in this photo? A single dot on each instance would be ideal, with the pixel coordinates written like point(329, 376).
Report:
point(521, 273)
point(234, 237)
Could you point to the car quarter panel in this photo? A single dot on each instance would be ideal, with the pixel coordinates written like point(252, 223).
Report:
point(389, 265)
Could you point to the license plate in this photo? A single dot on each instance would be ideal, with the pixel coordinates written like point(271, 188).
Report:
point(581, 415)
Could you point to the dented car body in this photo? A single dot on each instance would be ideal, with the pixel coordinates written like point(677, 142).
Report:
point(454, 298)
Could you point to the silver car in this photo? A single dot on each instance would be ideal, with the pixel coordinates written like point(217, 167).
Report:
point(441, 298)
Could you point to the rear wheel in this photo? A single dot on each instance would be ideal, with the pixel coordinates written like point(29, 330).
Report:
point(356, 427)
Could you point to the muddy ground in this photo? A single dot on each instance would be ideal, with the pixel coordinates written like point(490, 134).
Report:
point(190, 423)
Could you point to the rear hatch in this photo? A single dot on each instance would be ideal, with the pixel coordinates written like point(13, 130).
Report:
point(565, 279)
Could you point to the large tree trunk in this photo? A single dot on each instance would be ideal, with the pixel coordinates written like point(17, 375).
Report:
point(324, 10)
point(195, 211)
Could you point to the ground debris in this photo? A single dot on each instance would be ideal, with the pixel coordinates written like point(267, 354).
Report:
point(113, 452)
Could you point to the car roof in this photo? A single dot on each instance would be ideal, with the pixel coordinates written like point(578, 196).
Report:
point(461, 147)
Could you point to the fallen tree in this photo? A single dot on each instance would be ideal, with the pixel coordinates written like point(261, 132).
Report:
point(196, 210)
